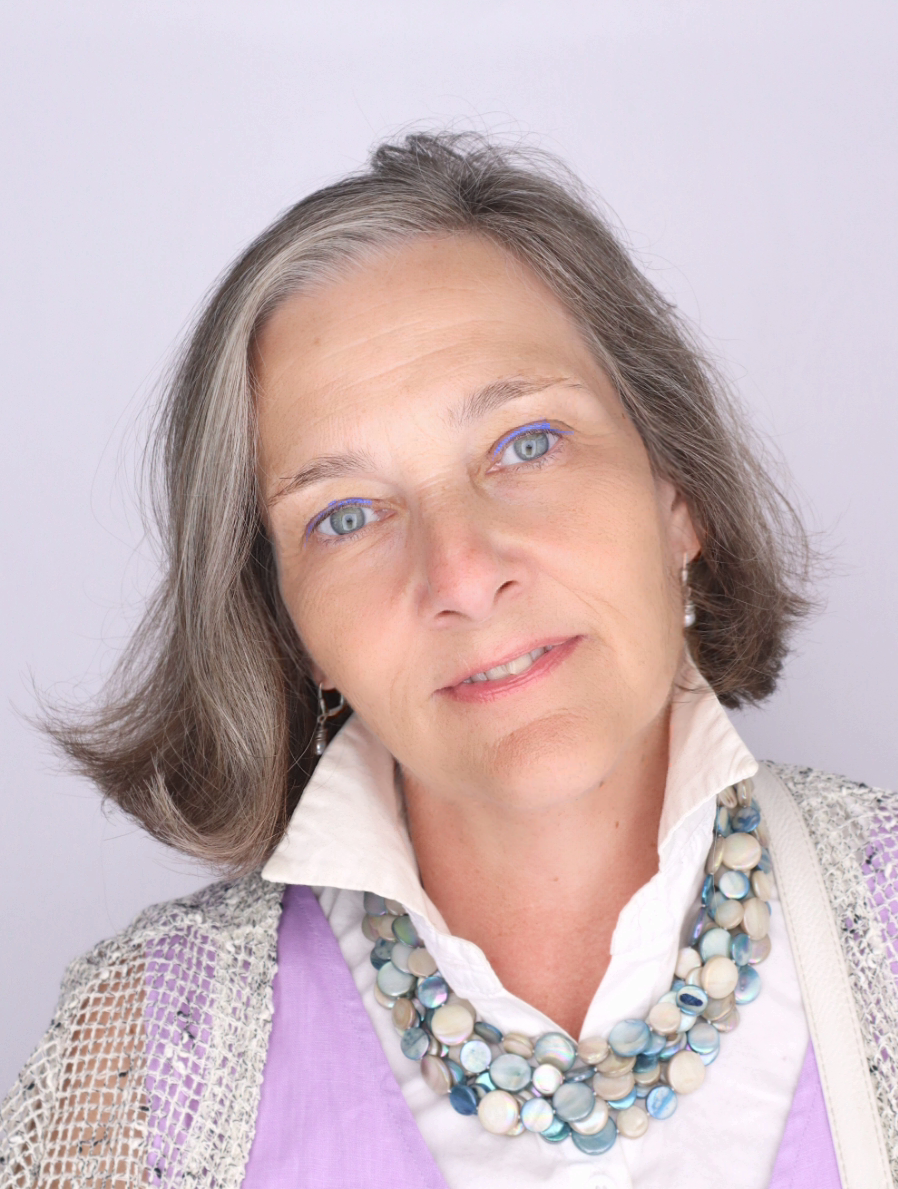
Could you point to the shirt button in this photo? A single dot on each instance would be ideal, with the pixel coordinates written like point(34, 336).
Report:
point(601, 1181)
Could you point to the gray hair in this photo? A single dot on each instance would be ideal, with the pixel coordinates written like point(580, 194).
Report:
point(203, 735)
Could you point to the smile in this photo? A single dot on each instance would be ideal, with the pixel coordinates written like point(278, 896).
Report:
point(513, 668)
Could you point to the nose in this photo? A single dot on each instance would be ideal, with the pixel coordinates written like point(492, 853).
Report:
point(466, 563)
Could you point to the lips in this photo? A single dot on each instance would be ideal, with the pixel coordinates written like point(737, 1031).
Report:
point(517, 663)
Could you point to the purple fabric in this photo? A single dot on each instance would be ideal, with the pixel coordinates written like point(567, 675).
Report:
point(807, 1158)
point(331, 1113)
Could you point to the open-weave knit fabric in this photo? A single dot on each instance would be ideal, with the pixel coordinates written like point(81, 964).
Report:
point(150, 1072)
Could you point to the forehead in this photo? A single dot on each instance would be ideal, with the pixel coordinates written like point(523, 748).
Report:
point(423, 318)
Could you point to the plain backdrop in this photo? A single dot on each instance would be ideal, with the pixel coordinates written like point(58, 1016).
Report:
point(747, 146)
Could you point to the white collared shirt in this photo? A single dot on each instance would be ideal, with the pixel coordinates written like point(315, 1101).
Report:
point(347, 836)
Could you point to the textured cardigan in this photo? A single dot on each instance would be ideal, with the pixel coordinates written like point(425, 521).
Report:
point(150, 1072)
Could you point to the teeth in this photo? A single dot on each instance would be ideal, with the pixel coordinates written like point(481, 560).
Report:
point(519, 665)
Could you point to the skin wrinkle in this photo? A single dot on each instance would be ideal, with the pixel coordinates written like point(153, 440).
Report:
point(534, 816)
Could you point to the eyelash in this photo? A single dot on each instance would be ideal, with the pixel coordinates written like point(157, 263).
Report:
point(497, 451)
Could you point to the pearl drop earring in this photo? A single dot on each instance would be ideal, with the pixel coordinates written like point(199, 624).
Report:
point(689, 609)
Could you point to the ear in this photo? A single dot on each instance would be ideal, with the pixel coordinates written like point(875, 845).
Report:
point(683, 540)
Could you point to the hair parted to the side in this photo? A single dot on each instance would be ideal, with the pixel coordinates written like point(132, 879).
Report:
point(204, 733)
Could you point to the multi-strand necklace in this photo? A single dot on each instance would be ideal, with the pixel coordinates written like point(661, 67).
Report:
point(593, 1090)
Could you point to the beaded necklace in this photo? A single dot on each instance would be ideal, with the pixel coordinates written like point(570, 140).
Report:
point(592, 1091)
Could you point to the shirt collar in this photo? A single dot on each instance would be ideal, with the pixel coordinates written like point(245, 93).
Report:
point(348, 829)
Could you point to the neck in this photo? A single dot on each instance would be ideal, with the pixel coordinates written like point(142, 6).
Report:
point(540, 891)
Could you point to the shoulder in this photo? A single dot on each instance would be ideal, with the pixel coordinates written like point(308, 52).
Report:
point(832, 804)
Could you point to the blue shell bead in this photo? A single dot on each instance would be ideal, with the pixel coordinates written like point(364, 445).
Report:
point(485, 1082)
point(646, 1062)
point(414, 1043)
point(748, 988)
point(433, 991)
point(556, 1133)
point(621, 1104)
point(375, 906)
point(475, 1056)
point(715, 902)
point(657, 1042)
point(699, 925)
point(692, 1000)
point(661, 1102)
point(598, 1144)
point(734, 885)
point(704, 1039)
point(707, 889)
point(458, 1074)
point(510, 1072)
point(580, 1073)
point(464, 1100)
point(714, 944)
point(747, 818)
point(722, 821)
point(404, 930)
point(764, 863)
point(629, 1037)
point(740, 950)
point(556, 1049)
point(642, 1091)
point(669, 1050)
point(380, 955)
point(674, 987)
point(488, 1033)
point(573, 1101)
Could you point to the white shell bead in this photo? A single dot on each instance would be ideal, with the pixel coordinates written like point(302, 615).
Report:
point(613, 1065)
point(384, 926)
point(687, 961)
point(368, 928)
point(594, 1121)
point(728, 798)
point(729, 1022)
point(633, 1122)
point(613, 1088)
point(686, 1072)
point(394, 907)
point(518, 1043)
point(387, 1001)
point(741, 851)
point(762, 885)
point(756, 919)
point(716, 1009)
point(665, 1018)
point(498, 1112)
point(719, 977)
point(453, 1024)
point(404, 1015)
point(537, 1115)
point(744, 790)
point(729, 914)
point(421, 963)
point(547, 1079)
point(593, 1050)
point(715, 855)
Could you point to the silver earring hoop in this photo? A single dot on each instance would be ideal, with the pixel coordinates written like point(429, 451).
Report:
point(325, 712)
point(689, 608)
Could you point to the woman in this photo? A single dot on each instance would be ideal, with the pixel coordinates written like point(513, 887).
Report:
point(437, 451)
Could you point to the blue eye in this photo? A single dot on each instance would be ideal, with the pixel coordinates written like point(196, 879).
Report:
point(527, 445)
point(344, 520)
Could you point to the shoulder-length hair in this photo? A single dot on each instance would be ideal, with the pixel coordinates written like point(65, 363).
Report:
point(204, 733)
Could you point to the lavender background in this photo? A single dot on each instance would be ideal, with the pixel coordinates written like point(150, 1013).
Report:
point(749, 147)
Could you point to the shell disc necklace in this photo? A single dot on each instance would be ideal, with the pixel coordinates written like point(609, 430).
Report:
point(593, 1090)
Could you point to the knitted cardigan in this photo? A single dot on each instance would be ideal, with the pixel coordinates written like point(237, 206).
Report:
point(176, 1012)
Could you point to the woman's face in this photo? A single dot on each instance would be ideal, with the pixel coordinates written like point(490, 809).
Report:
point(452, 486)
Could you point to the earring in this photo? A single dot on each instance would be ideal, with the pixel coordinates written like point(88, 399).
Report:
point(319, 744)
point(689, 609)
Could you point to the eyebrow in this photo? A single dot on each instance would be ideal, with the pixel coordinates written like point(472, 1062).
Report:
point(478, 404)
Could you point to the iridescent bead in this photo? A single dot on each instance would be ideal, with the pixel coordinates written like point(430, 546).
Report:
point(518, 1043)
point(375, 905)
point(452, 1024)
point(382, 953)
point(746, 818)
point(464, 1099)
point(677, 1043)
point(387, 1001)
point(475, 1056)
point(593, 1050)
point(458, 1074)
point(700, 924)
point(484, 1081)
point(741, 852)
point(394, 982)
point(510, 1072)
point(729, 914)
point(656, 1043)
point(436, 1074)
point(537, 1115)
point(717, 1008)
point(557, 1049)
point(648, 1074)
point(729, 1022)
point(488, 1032)
point(722, 821)
point(421, 963)
point(744, 790)
point(714, 944)
point(756, 919)
point(383, 926)
point(599, 1143)
point(764, 863)
point(547, 1078)
point(728, 798)
point(715, 856)
point(557, 1133)
point(740, 951)
point(498, 1112)
point(399, 956)
point(632, 1122)
point(661, 1102)
point(580, 1073)
point(573, 1101)
point(692, 1000)
point(404, 1015)
point(748, 987)
point(621, 1104)
point(368, 928)
point(703, 1038)
point(686, 1072)
point(759, 951)
point(629, 1037)
point(394, 907)
point(594, 1121)
point(707, 889)
point(734, 885)
point(414, 1043)
point(404, 930)
point(433, 991)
